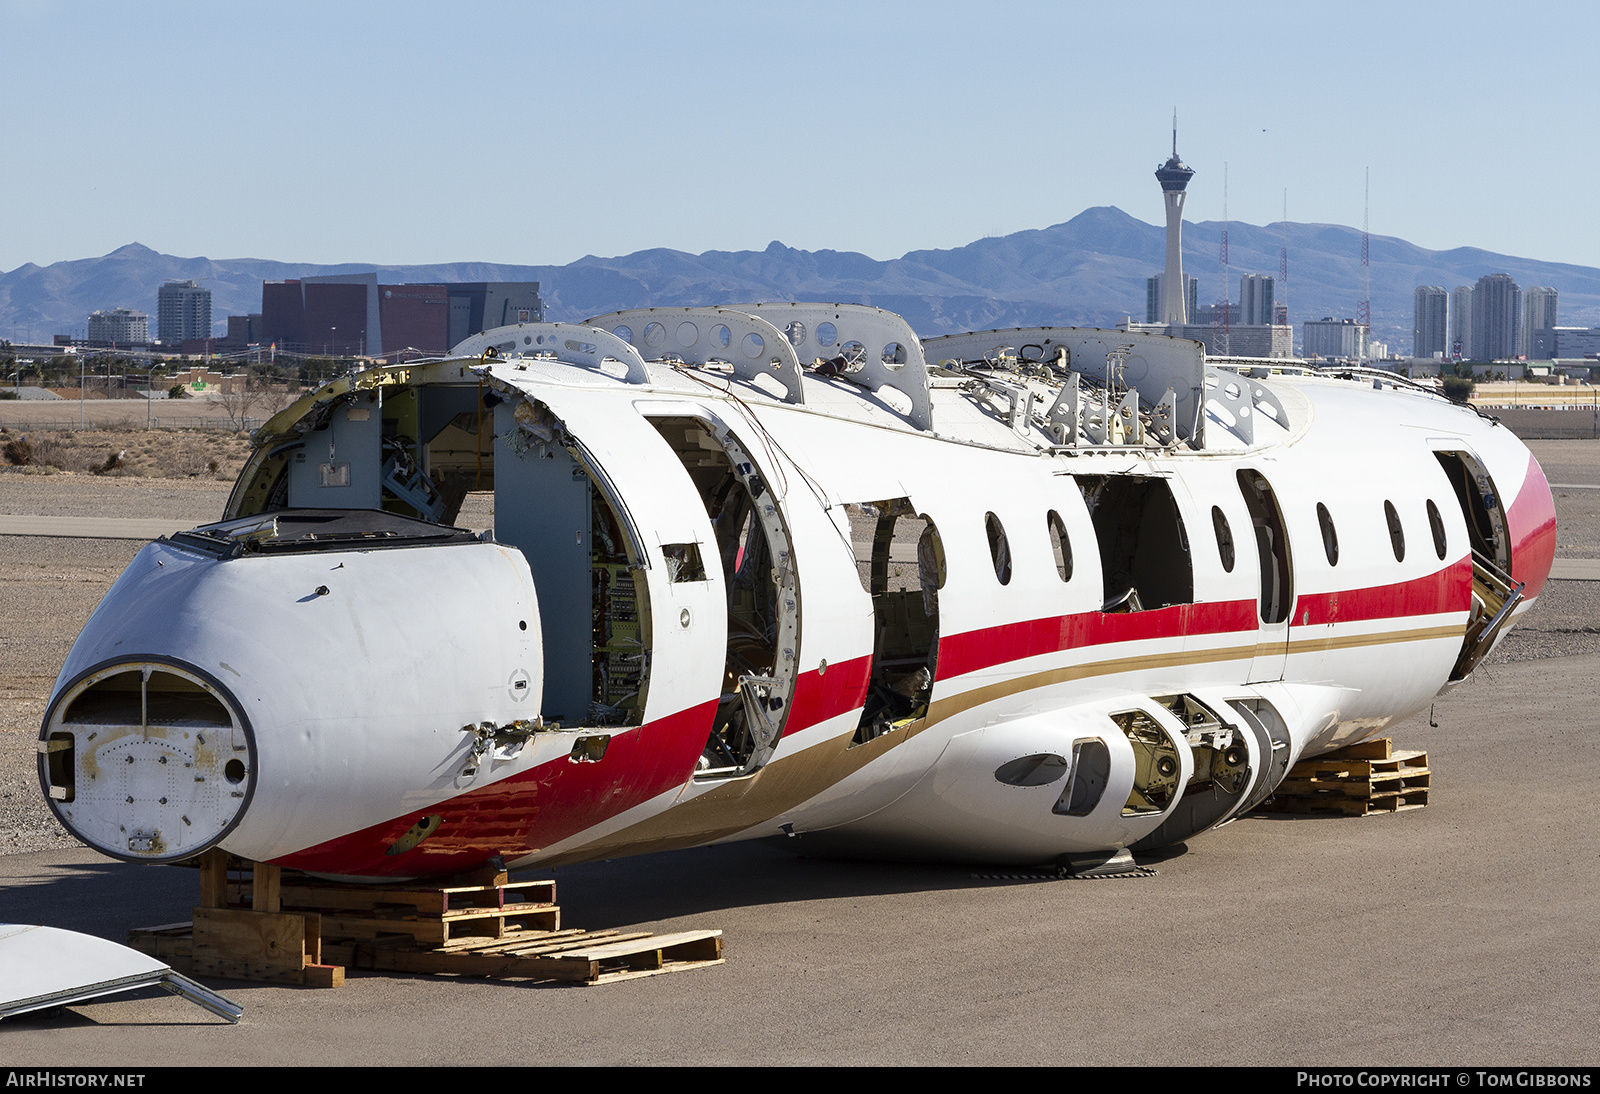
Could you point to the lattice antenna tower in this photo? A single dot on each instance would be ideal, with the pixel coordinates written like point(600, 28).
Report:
point(1219, 321)
point(1364, 309)
point(1283, 261)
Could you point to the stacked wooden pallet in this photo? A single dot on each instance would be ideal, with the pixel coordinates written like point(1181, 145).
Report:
point(256, 923)
point(1371, 777)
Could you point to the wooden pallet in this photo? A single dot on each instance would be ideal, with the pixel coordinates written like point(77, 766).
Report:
point(1371, 777)
point(574, 957)
point(255, 923)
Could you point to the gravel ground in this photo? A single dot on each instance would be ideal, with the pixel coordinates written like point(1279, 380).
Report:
point(65, 495)
point(49, 586)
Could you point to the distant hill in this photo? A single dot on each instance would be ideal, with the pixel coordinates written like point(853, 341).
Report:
point(1088, 271)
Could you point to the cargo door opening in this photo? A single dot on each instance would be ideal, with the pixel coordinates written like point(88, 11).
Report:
point(1495, 594)
point(1144, 548)
point(900, 560)
point(753, 546)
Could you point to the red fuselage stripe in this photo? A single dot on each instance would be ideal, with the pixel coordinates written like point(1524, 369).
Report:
point(541, 806)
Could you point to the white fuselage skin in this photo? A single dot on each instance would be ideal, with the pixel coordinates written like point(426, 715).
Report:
point(358, 699)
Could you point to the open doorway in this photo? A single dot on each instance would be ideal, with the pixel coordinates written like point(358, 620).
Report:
point(753, 547)
point(900, 559)
point(1495, 593)
point(1144, 549)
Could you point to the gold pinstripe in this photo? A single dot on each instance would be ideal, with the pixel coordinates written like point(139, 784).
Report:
point(735, 806)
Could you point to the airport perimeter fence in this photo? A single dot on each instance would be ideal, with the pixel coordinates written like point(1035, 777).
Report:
point(1579, 423)
point(162, 421)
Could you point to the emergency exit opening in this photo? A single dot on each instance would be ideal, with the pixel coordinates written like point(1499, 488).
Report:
point(900, 560)
point(1144, 549)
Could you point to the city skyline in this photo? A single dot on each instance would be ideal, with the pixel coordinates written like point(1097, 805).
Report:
point(321, 133)
point(1092, 270)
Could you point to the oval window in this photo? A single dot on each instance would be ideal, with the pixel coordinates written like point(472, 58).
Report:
point(1436, 523)
point(1330, 536)
point(1224, 538)
point(1061, 545)
point(999, 548)
point(1397, 534)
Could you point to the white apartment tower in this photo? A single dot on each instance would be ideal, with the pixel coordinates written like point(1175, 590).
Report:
point(1255, 300)
point(1496, 318)
point(119, 326)
point(183, 311)
point(1430, 332)
point(1539, 323)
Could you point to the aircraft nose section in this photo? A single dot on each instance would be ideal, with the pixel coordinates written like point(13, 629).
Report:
point(269, 697)
point(1531, 525)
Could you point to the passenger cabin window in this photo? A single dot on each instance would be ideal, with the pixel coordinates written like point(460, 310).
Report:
point(1436, 525)
point(900, 559)
point(1272, 546)
point(1219, 521)
point(1060, 545)
point(1144, 550)
point(1330, 536)
point(1397, 534)
point(999, 548)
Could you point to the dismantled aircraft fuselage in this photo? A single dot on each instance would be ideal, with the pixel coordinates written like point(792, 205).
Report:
point(786, 569)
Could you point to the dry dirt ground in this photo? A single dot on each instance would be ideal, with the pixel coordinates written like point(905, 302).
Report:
point(26, 414)
point(117, 452)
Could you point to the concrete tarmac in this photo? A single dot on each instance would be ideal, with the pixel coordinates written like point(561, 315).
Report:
point(1461, 933)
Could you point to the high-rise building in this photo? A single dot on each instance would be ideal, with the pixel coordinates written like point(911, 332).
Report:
point(1496, 318)
point(1539, 323)
point(351, 314)
point(119, 327)
point(1577, 342)
point(183, 311)
point(1152, 298)
point(1461, 324)
point(1337, 338)
point(1174, 176)
point(1431, 329)
point(1255, 299)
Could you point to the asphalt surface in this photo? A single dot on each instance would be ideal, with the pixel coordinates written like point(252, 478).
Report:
point(1461, 933)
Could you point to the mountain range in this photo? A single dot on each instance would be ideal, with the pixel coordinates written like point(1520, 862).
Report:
point(1088, 271)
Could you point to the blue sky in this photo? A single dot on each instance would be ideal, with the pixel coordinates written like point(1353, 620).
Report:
point(533, 132)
